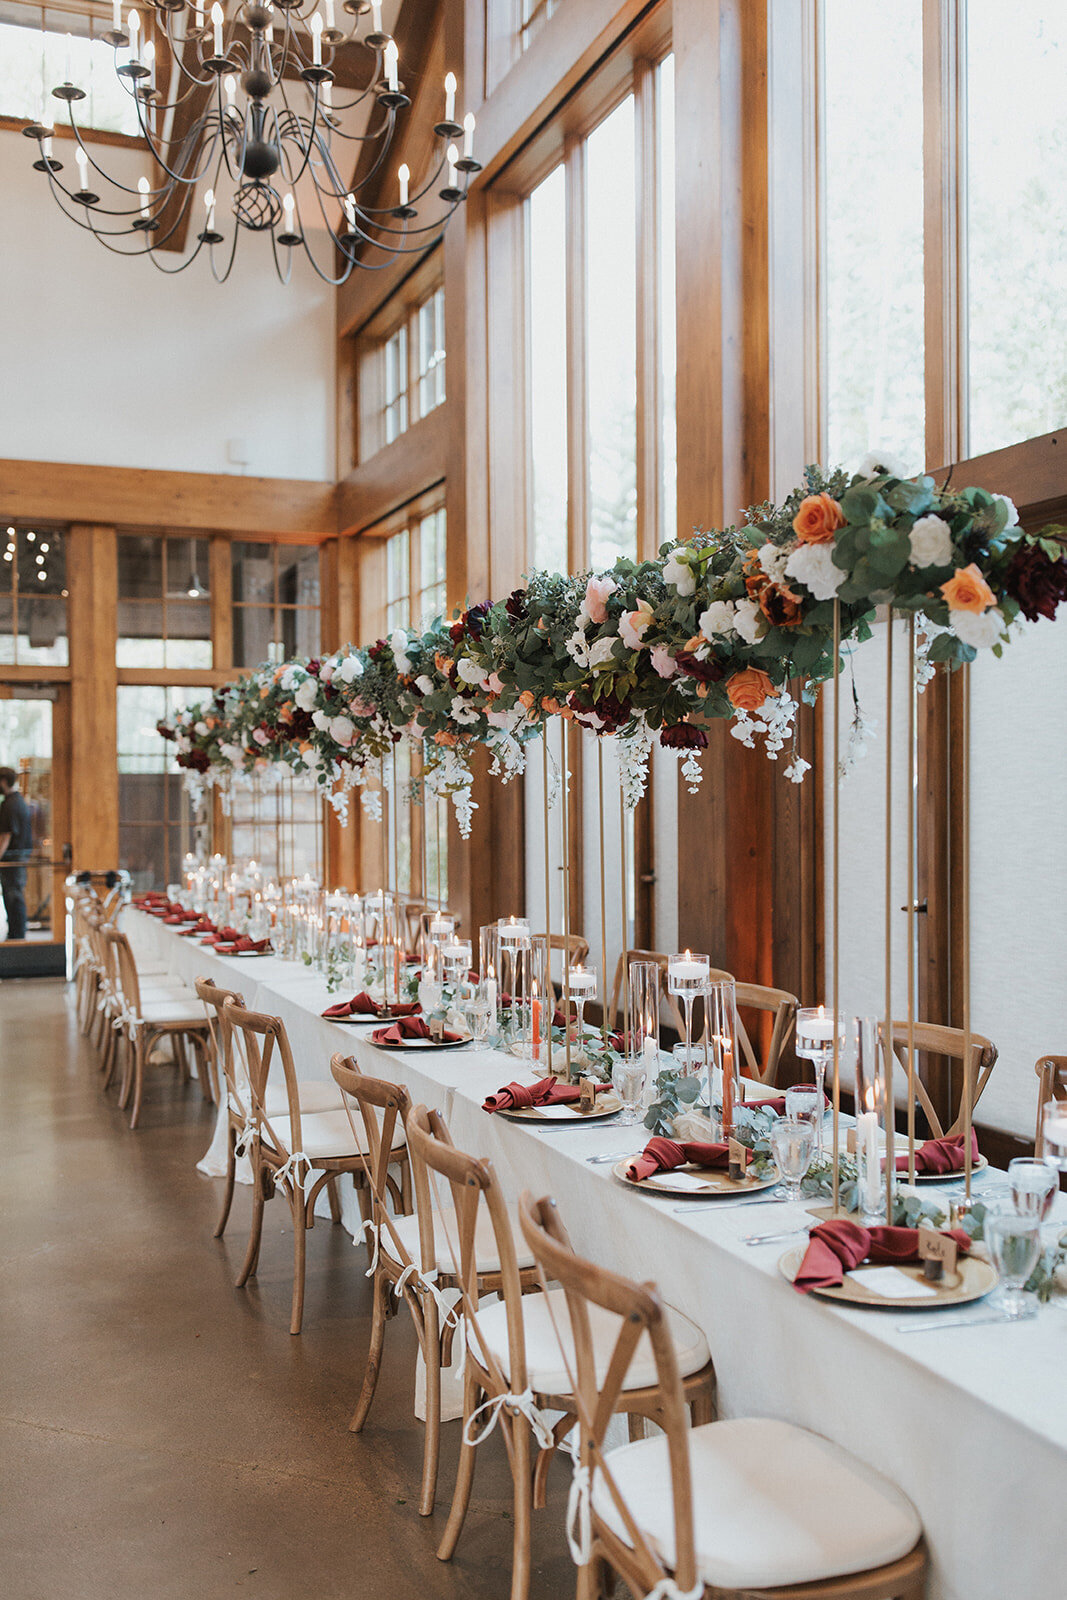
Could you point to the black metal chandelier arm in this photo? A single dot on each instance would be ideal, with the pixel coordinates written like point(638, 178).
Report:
point(229, 263)
point(284, 275)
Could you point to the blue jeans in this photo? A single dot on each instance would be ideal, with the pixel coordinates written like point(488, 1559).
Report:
point(13, 889)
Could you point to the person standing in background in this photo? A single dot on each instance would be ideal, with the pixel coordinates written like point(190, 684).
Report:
point(16, 842)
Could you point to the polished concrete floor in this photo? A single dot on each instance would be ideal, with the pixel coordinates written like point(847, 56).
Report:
point(161, 1434)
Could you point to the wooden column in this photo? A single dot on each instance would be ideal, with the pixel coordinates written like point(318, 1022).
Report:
point(339, 573)
point(93, 620)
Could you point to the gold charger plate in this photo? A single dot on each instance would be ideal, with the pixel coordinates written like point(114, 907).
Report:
point(973, 1279)
point(417, 1044)
point(606, 1106)
point(939, 1177)
point(714, 1185)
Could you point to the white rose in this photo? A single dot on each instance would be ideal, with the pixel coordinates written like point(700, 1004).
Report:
point(1009, 503)
point(425, 684)
point(289, 680)
point(748, 620)
point(680, 573)
point(201, 728)
point(350, 668)
point(880, 464)
point(326, 672)
point(461, 712)
point(718, 618)
point(470, 671)
point(342, 730)
point(772, 559)
point(398, 639)
point(321, 720)
point(602, 653)
point(307, 694)
point(578, 648)
point(813, 565)
point(931, 543)
point(978, 628)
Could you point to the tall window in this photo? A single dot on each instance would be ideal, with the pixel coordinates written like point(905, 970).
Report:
point(276, 602)
point(164, 612)
point(33, 60)
point(1016, 166)
point(590, 311)
point(402, 360)
point(415, 571)
point(33, 596)
point(156, 818)
point(873, 230)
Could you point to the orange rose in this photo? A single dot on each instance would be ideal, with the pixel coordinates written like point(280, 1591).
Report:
point(818, 519)
point(264, 690)
point(526, 699)
point(692, 645)
point(551, 705)
point(967, 590)
point(448, 739)
point(748, 689)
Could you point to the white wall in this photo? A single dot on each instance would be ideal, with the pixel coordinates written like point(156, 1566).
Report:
point(107, 361)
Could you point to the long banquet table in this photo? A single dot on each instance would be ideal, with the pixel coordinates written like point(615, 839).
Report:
point(970, 1423)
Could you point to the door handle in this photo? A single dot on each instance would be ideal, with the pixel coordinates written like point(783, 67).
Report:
point(918, 906)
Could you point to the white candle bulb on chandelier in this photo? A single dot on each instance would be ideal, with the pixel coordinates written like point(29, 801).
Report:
point(327, 96)
point(198, 15)
point(450, 96)
point(83, 168)
point(328, 7)
point(392, 63)
point(133, 28)
point(350, 212)
point(468, 135)
point(453, 175)
point(404, 176)
point(376, 16)
point(149, 56)
point(316, 40)
point(116, 16)
point(289, 207)
point(217, 18)
point(143, 188)
point(46, 148)
point(229, 83)
point(209, 207)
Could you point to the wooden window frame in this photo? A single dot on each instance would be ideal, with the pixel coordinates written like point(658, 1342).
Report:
point(166, 536)
point(400, 311)
point(13, 591)
point(275, 605)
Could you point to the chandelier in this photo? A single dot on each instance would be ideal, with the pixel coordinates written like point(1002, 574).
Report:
point(242, 108)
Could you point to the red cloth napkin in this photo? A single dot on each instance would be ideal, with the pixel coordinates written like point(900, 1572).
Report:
point(941, 1155)
point(225, 936)
point(548, 1092)
point(835, 1247)
point(243, 947)
point(409, 1028)
point(662, 1155)
point(361, 1005)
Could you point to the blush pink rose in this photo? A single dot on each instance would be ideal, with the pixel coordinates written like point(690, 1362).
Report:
point(597, 591)
point(662, 661)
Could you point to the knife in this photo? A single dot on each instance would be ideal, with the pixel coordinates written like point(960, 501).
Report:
point(961, 1322)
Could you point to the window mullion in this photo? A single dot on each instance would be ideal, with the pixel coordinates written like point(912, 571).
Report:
point(944, 200)
point(577, 360)
point(646, 244)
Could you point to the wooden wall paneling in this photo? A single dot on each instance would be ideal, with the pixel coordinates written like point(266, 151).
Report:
point(507, 541)
point(62, 804)
point(649, 387)
point(220, 585)
point(944, 228)
point(340, 626)
point(347, 406)
point(93, 624)
point(294, 509)
point(396, 474)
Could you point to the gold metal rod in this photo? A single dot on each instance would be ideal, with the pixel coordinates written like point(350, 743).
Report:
point(603, 897)
point(913, 778)
point(437, 819)
point(965, 918)
point(627, 1042)
point(396, 880)
point(887, 1043)
point(549, 999)
point(565, 798)
point(835, 898)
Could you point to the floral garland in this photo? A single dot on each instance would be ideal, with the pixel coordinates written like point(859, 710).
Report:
point(734, 624)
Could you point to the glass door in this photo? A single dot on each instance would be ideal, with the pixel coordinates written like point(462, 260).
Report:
point(27, 715)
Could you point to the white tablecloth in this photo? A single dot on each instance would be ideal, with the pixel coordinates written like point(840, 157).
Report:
point(970, 1423)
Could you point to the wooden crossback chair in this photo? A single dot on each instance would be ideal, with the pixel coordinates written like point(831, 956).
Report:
point(750, 1509)
point(145, 1018)
point(781, 1005)
point(934, 1039)
point(1051, 1085)
point(410, 1259)
point(616, 1009)
point(516, 1367)
point(294, 1152)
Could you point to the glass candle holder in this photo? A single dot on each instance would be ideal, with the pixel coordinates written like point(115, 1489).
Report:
point(513, 974)
point(687, 976)
point(489, 968)
point(1054, 1133)
point(870, 1108)
point(724, 1066)
point(582, 984)
point(815, 1043)
point(643, 978)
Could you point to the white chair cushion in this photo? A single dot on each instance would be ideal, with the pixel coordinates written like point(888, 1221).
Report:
point(174, 1010)
point(545, 1365)
point(153, 994)
point(328, 1133)
point(313, 1097)
point(772, 1505)
point(486, 1257)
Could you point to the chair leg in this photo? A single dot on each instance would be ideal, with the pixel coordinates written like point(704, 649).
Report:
point(299, 1260)
point(107, 1060)
point(523, 1507)
point(335, 1200)
point(126, 1083)
point(374, 1354)
point(181, 1058)
point(431, 1443)
point(461, 1494)
point(252, 1253)
point(140, 1050)
point(231, 1176)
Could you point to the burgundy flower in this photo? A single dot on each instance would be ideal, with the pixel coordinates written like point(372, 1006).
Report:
point(1037, 583)
point(609, 708)
point(376, 649)
point(455, 632)
point(683, 736)
point(330, 691)
point(515, 605)
point(168, 733)
point(196, 760)
point(709, 671)
point(314, 666)
point(474, 617)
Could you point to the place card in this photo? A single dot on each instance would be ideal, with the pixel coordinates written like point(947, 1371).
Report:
point(737, 1158)
point(938, 1254)
point(892, 1283)
point(675, 1180)
point(564, 1113)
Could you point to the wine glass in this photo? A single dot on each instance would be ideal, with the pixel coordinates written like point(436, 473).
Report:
point(1054, 1130)
point(792, 1145)
point(1034, 1186)
point(804, 1103)
point(1015, 1245)
point(629, 1076)
point(479, 1012)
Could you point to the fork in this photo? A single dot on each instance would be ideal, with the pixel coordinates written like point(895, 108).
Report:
point(619, 1155)
point(775, 1238)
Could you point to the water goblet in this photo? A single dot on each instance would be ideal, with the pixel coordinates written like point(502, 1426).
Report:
point(1015, 1246)
point(1054, 1130)
point(804, 1102)
point(479, 1012)
point(792, 1145)
point(1034, 1185)
point(629, 1076)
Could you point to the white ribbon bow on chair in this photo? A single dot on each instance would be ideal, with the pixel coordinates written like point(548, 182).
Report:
point(521, 1405)
point(369, 1227)
point(667, 1589)
point(580, 1516)
point(288, 1169)
point(127, 1019)
point(427, 1282)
